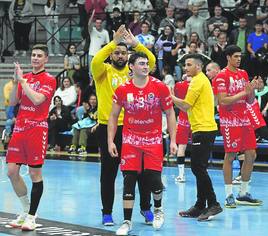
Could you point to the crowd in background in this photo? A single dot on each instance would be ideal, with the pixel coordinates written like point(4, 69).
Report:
point(170, 29)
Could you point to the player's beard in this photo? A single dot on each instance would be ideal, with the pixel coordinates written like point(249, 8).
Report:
point(119, 64)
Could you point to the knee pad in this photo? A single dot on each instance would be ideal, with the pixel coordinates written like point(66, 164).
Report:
point(130, 178)
point(154, 178)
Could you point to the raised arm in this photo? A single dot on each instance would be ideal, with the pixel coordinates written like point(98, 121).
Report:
point(97, 63)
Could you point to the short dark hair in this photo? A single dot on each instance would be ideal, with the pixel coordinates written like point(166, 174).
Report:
point(42, 47)
point(231, 49)
point(133, 58)
point(258, 22)
point(122, 44)
point(195, 56)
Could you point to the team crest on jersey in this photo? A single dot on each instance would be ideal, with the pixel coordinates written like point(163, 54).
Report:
point(35, 86)
point(130, 97)
point(151, 96)
point(234, 144)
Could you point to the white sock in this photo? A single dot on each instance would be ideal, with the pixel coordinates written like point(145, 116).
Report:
point(228, 189)
point(181, 169)
point(243, 188)
point(25, 202)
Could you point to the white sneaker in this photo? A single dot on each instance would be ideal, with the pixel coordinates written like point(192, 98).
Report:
point(158, 218)
point(180, 179)
point(124, 228)
point(29, 223)
point(18, 222)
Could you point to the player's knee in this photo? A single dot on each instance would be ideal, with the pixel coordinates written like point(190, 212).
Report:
point(35, 174)
point(155, 180)
point(13, 174)
point(130, 178)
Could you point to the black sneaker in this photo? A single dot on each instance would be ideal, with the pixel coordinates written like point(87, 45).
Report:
point(247, 199)
point(193, 212)
point(210, 212)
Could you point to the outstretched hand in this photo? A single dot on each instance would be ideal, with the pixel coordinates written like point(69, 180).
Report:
point(18, 73)
point(125, 36)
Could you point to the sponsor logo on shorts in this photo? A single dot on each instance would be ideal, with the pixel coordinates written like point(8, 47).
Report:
point(14, 149)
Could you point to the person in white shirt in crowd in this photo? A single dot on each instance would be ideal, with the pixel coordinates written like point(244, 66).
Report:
point(196, 24)
point(202, 5)
point(168, 78)
point(52, 27)
point(99, 37)
point(67, 93)
point(141, 5)
point(114, 3)
point(145, 37)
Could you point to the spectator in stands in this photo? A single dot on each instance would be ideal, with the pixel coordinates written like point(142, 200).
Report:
point(135, 25)
point(71, 61)
point(181, 7)
point(239, 37)
point(168, 20)
point(52, 28)
point(163, 47)
point(141, 5)
point(145, 37)
point(261, 94)
point(256, 41)
point(67, 93)
point(218, 20)
point(229, 8)
point(115, 4)
point(99, 37)
point(262, 11)
point(19, 12)
point(59, 119)
point(168, 78)
point(99, 7)
point(180, 27)
point(178, 49)
point(194, 37)
point(213, 39)
point(248, 9)
point(202, 5)
point(83, 20)
point(116, 18)
point(217, 52)
point(196, 24)
point(86, 128)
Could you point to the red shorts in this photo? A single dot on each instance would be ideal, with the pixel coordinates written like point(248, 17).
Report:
point(135, 157)
point(28, 147)
point(238, 139)
point(183, 134)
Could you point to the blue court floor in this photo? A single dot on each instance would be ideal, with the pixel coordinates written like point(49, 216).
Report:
point(71, 195)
